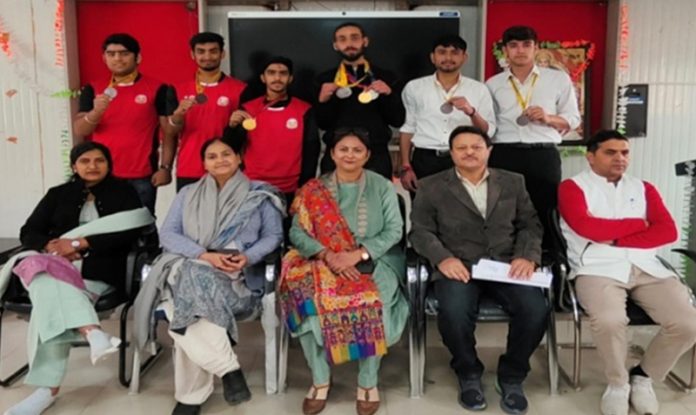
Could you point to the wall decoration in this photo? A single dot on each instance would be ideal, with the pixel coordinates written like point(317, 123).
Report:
point(573, 58)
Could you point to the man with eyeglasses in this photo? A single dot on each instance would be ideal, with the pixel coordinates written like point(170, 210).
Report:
point(435, 105)
point(125, 112)
point(460, 216)
point(358, 94)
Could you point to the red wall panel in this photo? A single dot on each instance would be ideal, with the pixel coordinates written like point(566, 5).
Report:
point(163, 30)
point(555, 21)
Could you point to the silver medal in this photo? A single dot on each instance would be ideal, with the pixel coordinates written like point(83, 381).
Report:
point(344, 92)
point(111, 92)
point(522, 120)
point(374, 94)
point(446, 108)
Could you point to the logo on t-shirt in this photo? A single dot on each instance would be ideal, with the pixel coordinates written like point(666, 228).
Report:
point(291, 124)
point(223, 101)
point(141, 99)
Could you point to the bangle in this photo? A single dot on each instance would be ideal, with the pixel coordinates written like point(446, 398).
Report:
point(172, 123)
point(404, 169)
point(165, 167)
point(90, 121)
point(472, 113)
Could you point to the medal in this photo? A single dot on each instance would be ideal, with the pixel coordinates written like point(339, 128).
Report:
point(249, 124)
point(446, 108)
point(522, 120)
point(344, 92)
point(365, 97)
point(201, 98)
point(374, 94)
point(111, 92)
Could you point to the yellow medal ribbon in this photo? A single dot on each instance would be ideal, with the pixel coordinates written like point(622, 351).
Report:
point(126, 80)
point(524, 102)
point(448, 95)
point(341, 78)
point(200, 87)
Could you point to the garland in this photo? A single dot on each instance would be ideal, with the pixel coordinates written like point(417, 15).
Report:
point(575, 73)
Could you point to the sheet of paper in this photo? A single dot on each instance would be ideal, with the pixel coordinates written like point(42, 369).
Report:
point(497, 271)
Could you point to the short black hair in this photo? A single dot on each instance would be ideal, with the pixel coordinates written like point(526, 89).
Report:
point(232, 137)
point(342, 132)
point(601, 136)
point(469, 129)
point(278, 59)
point(349, 24)
point(86, 146)
point(519, 33)
point(123, 39)
point(206, 37)
point(450, 40)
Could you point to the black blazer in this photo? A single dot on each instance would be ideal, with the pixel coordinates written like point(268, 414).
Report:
point(59, 212)
point(445, 221)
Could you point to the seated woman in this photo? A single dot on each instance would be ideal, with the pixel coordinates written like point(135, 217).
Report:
point(340, 289)
point(216, 228)
point(80, 234)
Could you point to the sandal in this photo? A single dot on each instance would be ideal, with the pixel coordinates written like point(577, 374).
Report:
point(367, 402)
point(315, 401)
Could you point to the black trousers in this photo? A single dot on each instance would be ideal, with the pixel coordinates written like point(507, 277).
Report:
point(541, 168)
point(456, 320)
point(185, 181)
point(426, 162)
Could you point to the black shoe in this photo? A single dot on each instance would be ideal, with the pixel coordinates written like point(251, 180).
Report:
point(512, 399)
point(234, 388)
point(183, 409)
point(471, 395)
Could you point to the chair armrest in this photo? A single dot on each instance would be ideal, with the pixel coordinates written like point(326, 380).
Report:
point(271, 269)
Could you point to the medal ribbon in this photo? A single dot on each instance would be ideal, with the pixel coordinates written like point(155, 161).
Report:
point(125, 81)
point(200, 87)
point(449, 94)
point(524, 102)
point(346, 80)
point(268, 105)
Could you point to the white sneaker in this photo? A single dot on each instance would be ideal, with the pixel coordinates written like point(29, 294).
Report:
point(615, 400)
point(643, 396)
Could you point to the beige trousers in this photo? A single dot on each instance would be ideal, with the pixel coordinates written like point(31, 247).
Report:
point(202, 352)
point(665, 300)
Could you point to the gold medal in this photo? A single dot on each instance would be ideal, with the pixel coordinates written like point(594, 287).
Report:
point(249, 124)
point(365, 97)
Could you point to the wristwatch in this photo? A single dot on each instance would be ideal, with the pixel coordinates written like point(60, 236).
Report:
point(365, 256)
point(75, 243)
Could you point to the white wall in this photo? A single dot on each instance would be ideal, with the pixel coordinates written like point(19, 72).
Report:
point(40, 123)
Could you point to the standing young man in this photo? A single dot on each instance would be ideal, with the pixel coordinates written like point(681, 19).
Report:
point(203, 106)
point(125, 113)
point(359, 95)
point(437, 104)
point(534, 108)
point(283, 142)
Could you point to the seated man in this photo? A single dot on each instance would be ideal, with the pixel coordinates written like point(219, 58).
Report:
point(460, 216)
point(614, 224)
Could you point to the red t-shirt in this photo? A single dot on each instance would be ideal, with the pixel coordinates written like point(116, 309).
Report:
point(129, 127)
point(274, 148)
point(204, 121)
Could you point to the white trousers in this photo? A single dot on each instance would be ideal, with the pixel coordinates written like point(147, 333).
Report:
point(202, 352)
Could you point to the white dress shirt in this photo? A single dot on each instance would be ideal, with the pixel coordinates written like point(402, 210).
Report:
point(423, 97)
point(553, 91)
point(477, 191)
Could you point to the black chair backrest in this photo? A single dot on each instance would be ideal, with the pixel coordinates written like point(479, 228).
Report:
point(402, 209)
